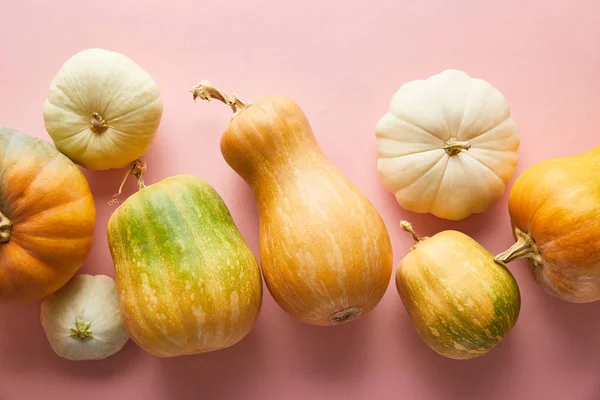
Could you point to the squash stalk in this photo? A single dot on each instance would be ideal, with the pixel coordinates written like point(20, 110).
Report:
point(524, 247)
point(407, 226)
point(98, 123)
point(454, 146)
point(5, 228)
point(207, 91)
point(137, 169)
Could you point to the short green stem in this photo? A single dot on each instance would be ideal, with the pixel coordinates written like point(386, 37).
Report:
point(454, 146)
point(82, 330)
point(5, 228)
point(524, 247)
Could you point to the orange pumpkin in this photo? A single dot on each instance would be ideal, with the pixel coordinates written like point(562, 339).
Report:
point(47, 217)
point(325, 251)
point(555, 213)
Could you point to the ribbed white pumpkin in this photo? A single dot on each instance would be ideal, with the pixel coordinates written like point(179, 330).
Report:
point(447, 146)
point(82, 320)
point(102, 110)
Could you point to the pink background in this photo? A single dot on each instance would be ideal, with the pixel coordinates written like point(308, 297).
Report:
point(341, 61)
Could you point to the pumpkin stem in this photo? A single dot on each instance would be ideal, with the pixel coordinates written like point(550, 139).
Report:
point(207, 91)
point(524, 247)
point(454, 146)
point(137, 169)
point(407, 226)
point(98, 123)
point(82, 330)
point(5, 228)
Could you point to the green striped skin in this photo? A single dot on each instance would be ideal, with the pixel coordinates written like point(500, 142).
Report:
point(187, 281)
point(461, 302)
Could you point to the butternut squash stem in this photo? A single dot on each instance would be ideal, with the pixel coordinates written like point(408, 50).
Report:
point(207, 91)
point(5, 228)
point(137, 169)
point(407, 226)
point(524, 247)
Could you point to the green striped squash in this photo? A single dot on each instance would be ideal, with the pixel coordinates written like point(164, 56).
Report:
point(187, 281)
point(461, 302)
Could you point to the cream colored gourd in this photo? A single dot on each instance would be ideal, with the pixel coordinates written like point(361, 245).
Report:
point(102, 110)
point(447, 146)
point(82, 320)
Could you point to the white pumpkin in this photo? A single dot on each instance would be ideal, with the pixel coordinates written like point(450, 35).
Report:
point(447, 146)
point(102, 110)
point(82, 320)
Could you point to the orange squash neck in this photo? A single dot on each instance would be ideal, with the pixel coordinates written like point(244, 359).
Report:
point(5, 228)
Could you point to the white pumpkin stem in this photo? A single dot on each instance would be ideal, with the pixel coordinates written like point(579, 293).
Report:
point(5, 228)
point(207, 91)
point(407, 226)
point(454, 146)
point(98, 123)
point(524, 247)
point(137, 169)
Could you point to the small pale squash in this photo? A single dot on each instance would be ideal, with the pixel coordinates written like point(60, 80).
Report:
point(461, 302)
point(102, 110)
point(187, 281)
point(47, 217)
point(325, 251)
point(447, 146)
point(555, 213)
point(82, 320)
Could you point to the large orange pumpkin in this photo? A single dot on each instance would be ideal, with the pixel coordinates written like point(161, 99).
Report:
point(324, 249)
point(555, 212)
point(47, 217)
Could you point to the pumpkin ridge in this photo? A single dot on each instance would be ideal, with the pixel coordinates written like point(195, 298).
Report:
point(439, 186)
point(16, 215)
point(71, 106)
point(67, 203)
point(442, 155)
point(487, 131)
point(462, 116)
point(133, 110)
point(407, 154)
point(420, 128)
point(485, 165)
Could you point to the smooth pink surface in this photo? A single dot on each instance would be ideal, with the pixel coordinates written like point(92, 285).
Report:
point(341, 61)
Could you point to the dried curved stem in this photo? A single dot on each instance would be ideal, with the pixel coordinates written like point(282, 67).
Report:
point(207, 91)
point(137, 169)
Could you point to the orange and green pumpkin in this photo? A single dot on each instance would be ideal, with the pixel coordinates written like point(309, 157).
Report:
point(187, 281)
point(461, 302)
point(47, 217)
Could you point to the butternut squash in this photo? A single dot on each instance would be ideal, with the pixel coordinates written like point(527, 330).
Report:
point(325, 252)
